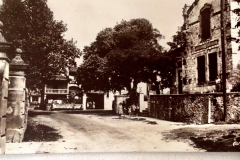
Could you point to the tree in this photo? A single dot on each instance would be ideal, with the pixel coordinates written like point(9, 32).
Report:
point(133, 54)
point(177, 46)
point(178, 40)
point(92, 74)
point(234, 77)
point(29, 25)
point(237, 12)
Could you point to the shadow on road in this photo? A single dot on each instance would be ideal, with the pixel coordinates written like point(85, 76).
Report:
point(33, 113)
point(104, 113)
point(40, 133)
point(211, 141)
point(138, 119)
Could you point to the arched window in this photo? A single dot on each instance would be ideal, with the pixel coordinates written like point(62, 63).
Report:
point(205, 15)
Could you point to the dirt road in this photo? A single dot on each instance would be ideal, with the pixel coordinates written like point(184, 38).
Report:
point(100, 132)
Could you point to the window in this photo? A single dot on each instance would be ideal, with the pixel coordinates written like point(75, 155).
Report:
point(206, 22)
point(212, 66)
point(201, 69)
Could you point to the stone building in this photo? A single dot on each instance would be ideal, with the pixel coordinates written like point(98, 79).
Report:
point(200, 63)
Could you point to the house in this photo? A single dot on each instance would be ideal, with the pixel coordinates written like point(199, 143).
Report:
point(63, 92)
point(200, 63)
point(59, 90)
point(56, 88)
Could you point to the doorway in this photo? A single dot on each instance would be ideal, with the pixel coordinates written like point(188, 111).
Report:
point(180, 90)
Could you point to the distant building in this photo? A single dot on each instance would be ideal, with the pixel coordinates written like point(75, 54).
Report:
point(58, 88)
point(63, 92)
point(199, 65)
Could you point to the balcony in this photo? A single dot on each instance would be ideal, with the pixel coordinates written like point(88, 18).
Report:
point(56, 91)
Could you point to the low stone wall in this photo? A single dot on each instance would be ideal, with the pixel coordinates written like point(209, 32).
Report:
point(71, 106)
point(194, 108)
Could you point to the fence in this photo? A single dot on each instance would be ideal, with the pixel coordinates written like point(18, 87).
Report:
point(59, 91)
point(194, 108)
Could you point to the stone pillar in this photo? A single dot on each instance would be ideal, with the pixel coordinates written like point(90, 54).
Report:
point(16, 110)
point(84, 101)
point(209, 111)
point(141, 102)
point(4, 78)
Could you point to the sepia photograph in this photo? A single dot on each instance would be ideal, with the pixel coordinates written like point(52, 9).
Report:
point(119, 76)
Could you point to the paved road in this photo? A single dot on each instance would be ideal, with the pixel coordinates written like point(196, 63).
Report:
point(104, 132)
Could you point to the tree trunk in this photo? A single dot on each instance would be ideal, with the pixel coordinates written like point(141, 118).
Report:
point(157, 88)
point(129, 86)
point(42, 104)
point(133, 93)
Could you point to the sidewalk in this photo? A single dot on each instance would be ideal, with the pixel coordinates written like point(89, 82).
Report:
point(23, 148)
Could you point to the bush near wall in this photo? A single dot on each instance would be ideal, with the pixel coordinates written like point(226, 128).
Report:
point(193, 108)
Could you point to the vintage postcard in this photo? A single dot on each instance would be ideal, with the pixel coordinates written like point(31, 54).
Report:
point(110, 76)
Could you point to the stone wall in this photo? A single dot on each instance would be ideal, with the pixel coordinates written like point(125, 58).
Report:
point(13, 103)
point(180, 108)
point(4, 81)
point(195, 108)
point(4, 70)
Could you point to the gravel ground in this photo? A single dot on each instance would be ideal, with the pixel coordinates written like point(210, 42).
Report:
point(77, 132)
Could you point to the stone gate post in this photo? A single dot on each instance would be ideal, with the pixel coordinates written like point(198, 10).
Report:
point(84, 101)
point(16, 110)
point(4, 78)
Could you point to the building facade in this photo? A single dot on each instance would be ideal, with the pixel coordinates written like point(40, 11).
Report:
point(58, 88)
point(200, 64)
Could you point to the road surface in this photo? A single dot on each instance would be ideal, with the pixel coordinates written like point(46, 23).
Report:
point(102, 132)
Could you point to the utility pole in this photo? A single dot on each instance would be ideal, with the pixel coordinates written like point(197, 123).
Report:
point(223, 59)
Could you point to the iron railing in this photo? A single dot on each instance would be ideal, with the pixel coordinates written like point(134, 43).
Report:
point(56, 91)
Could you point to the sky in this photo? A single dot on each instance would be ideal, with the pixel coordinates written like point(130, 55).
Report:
point(86, 18)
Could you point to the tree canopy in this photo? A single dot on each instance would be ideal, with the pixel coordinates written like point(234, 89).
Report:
point(131, 54)
point(30, 25)
point(93, 73)
point(178, 40)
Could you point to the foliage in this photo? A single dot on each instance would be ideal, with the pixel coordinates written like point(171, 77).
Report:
point(132, 55)
point(234, 79)
point(179, 39)
point(30, 25)
point(91, 74)
point(237, 11)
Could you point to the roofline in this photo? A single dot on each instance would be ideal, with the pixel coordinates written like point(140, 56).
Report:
point(193, 5)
